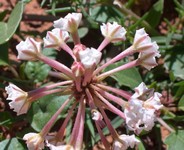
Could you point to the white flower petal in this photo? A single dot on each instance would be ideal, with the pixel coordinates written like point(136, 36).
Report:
point(148, 50)
point(128, 141)
point(34, 141)
point(89, 57)
point(113, 31)
point(96, 115)
point(28, 49)
point(55, 38)
point(18, 99)
point(69, 23)
point(154, 101)
point(140, 113)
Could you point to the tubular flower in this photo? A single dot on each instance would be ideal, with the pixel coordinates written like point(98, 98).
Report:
point(148, 50)
point(113, 31)
point(140, 112)
point(28, 49)
point(18, 98)
point(84, 82)
point(34, 141)
point(69, 23)
point(128, 141)
point(55, 38)
point(147, 60)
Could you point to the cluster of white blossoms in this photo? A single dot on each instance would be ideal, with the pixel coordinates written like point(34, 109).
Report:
point(83, 81)
point(140, 112)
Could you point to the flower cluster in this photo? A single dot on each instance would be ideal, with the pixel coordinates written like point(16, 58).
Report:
point(83, 81)
point(140, 112)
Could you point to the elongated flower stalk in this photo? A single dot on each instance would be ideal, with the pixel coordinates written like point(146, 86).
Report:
point(85, 84)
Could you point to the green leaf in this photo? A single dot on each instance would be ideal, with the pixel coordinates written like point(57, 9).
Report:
point(171, 76)
point(68, 131)
point(9, 28)
point(36, 71)
point(4, 54)
point(82, 32)
point(155, 12)
point(181, 103)
point(91, 128)
point(174, 61)
point(129, 77)
point(43, 109)
point(141, 145)
point(50, 52)
point(175, 141)
point(11, 144)
point(103, 13)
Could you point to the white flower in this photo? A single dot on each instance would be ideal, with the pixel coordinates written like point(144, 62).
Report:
point(96, 115)
point(18, 99)
point(154, 101)
point(140, 90)
point(140, 113)
point(128, 141)
point(139, 119)
point(89, 57)
point(148, 60)
point(113, 31)
point(69, 23)
point(143, 42)
point(55, 38)
point(134, 115)
point(151, 99)
point(34, 141)
point(28, 49)
point(148, 50)
point(148, 119)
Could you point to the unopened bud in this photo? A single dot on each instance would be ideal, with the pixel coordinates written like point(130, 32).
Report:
point(77, 49)
point(96, 115)
point(77, 69)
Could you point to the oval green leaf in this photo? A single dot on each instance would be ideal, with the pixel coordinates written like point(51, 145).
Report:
point(175, 141)
point(9, 28)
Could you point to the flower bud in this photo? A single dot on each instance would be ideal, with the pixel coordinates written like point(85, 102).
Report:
point(77, 69)
point(96, 115)
point(77, 48)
